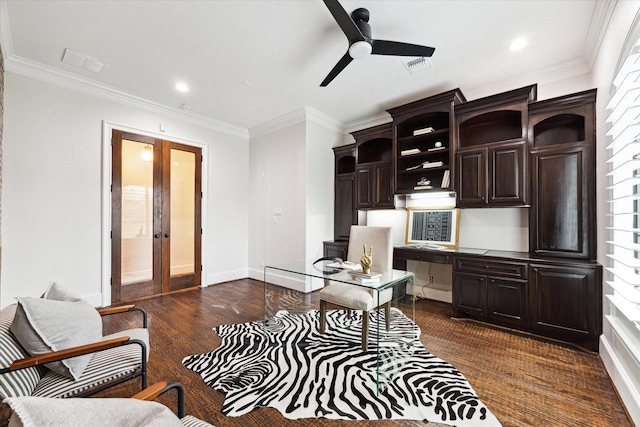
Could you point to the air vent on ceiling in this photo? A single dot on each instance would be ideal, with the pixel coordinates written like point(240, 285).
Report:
point(418, 64)
point(76, 59)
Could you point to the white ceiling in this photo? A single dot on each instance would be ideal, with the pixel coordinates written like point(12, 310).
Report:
point(249, 62)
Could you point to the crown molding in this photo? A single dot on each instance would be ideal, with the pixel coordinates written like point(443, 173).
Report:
point(37, 71)
point(302, 114)
point(368, 122)
point(597, 29)
point(21, 66)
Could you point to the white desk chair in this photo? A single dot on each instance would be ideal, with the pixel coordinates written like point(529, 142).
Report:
point(354, 297)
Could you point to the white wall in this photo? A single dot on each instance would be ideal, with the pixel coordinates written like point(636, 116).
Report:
point(291, 214)
point(277, 169)
point(52, 198)
point(320, 188)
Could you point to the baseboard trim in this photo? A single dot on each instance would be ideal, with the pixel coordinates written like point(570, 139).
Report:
point(623, 384)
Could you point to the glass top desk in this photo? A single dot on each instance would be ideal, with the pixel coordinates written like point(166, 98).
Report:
point(289, 288)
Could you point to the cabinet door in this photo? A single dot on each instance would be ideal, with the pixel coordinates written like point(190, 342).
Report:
point(345, 213)
point(364, 190)
point(507, 300)
point(468, 293)
point(335, 249)
point(383, 194)
point(471, 182)
point(566, 302)
point(562, 200)
point(507, 175)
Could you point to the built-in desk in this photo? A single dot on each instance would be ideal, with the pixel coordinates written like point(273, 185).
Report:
point(552, 297)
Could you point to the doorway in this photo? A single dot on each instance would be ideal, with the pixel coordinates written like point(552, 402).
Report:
point(156, 216)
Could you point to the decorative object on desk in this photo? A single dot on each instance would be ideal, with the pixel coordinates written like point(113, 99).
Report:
point(367, 260)
point(433, 225)
point(422, 131)
point(288, 365)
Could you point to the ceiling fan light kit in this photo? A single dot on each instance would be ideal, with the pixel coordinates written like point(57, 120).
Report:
point(358, 31)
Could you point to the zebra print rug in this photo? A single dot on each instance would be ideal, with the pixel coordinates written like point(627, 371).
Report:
point(288, 365)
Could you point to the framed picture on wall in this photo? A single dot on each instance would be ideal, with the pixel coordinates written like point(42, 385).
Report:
point(433, 225)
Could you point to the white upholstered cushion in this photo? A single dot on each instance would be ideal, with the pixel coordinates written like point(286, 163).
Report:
point(353, 296)
point(191, 421)
point(104, 366)
point(105, 412)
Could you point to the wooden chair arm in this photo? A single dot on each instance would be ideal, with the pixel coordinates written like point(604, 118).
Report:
point(41, 359)
point(151, 392)
point(159, 388)
point(105, 311)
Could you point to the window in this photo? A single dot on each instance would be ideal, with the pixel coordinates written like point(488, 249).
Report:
point(623, 290)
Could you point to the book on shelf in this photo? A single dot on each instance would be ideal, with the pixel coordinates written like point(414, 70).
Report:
point(422, 131)
point(412, 168)
point(427, 165)
point(410, 152)
point(446, 179)
point(422, 187)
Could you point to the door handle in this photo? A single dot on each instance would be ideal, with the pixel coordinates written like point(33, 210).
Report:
point(166, 235)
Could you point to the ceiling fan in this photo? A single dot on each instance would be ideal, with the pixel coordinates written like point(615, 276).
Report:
point(361, 45)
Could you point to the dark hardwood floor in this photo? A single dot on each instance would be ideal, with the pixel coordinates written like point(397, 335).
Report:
point(523, 380)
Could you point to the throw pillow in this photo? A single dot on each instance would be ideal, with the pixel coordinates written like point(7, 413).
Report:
point(43, 325)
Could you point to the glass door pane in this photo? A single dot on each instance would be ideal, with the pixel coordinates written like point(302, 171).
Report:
point(182, 220)
point(137, 212)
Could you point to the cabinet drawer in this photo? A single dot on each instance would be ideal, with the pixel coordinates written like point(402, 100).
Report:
point(491, 267)
point(422, 255)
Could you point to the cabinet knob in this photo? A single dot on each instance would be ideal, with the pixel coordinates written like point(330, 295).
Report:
point(157, 235)
point(166, 235)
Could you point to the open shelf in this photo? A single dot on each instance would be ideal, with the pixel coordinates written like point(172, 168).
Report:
point(494, 126)
point(560, 129)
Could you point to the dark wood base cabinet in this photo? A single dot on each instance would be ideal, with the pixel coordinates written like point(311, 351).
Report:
point(561, 301)
point(566, 302)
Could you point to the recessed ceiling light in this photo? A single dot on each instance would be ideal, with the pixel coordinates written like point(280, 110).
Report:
point(517, 44)
point(182, 87)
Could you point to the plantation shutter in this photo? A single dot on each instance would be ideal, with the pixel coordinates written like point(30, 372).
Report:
point(624, 201)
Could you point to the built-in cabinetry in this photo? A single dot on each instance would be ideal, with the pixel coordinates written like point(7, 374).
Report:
point(491, 150)
point(344, 205)
point(422, 143)
point(504, 150)
point(562, 221)
point(491, 289)
point(560, 300)
point(374, 168)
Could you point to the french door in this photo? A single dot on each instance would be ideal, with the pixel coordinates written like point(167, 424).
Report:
point(156, 216)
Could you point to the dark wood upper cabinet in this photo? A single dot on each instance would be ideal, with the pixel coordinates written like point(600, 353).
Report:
point(423, 143)
point(491, 150)
point(373, 177)
point(345, 213)
point(562, 222)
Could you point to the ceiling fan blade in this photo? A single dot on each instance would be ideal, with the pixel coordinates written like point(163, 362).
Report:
point(344, 61)
point(345, 22)
point(385, 47)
